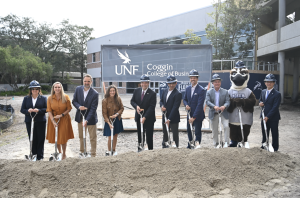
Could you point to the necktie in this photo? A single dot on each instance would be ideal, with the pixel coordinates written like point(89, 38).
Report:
point(142, 96)
point(267, 94)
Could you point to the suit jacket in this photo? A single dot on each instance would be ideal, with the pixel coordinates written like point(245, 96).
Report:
point(91, 103)
point(195, 102)
point(41, 105)
point(224, 100)
point(172, 105)
point(271, 105)
point(148, 104)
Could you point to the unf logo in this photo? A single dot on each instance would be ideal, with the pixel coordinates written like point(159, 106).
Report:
point(238, 95)
point(124, 68)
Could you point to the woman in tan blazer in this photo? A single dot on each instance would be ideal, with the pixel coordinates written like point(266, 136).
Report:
point(112, 106)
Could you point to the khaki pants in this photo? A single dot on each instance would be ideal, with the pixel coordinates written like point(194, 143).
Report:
point(93, 137)
point(215, 129)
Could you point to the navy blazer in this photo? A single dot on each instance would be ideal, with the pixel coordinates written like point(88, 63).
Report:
point(90, 102)
point(172, 105)
point(195, 102)
point(41, 105)
point(271, 105)
point(148, 104)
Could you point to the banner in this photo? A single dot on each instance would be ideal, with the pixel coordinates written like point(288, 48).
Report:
point(126, 63)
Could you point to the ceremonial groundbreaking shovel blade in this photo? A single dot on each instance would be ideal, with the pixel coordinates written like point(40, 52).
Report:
point(56, 156)
point(268, 146)
point(31, 157)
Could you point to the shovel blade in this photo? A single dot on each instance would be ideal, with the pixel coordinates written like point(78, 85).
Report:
point(271, 149)
point(197, 145)
point(192, 146)
point(84, 155)
point(240, 144)
point(31, 158)
point(146, 147)
point(173, 144)
point(167, 145)
point(55, 157)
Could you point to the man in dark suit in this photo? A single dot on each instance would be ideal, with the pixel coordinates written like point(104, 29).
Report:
point(170, 102)
point(193, 100)
point(144, 98)
point(270, 100)
point(86, 99)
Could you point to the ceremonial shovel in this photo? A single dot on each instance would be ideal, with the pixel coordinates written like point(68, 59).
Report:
point(268, 146)
point(56, 156)
point(143, 145)
point(31, 157)
point(193, 144)
point(169, 142)
point(112, 135)
point(221, 143)
point(84, 154)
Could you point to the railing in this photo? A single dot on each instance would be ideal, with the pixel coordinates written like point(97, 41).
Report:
point(250, 65)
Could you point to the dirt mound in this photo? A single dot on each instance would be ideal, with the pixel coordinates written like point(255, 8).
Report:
point(199, 173)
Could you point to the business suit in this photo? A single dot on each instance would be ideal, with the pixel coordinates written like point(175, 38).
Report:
point(271, 110)
point(39, 123)
point(148, 104)
point(195, 102)
point(224, 100)
point(172, 106)
point(91, 103)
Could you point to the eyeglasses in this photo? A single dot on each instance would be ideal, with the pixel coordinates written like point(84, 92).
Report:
point(35, 89)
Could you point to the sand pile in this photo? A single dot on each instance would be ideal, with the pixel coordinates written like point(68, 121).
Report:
point(199, 173)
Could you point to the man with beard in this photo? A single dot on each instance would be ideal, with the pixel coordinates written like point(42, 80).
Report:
point(193, 101)
point(85, 99)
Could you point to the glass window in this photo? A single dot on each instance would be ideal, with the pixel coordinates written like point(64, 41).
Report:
point(94, 57)
point(110, 83)
point(120, 84)
point(94, 82)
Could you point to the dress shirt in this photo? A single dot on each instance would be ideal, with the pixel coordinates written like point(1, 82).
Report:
point(217, 97)
point(169, 93)
point(192, 90)
point(268, 92)
point(33, 101)
point(85, 93)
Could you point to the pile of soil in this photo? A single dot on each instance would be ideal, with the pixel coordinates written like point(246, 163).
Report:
point(189, 173)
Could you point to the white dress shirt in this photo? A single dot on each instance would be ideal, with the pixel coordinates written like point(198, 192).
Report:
point(33, 101)
point(192, 90)
point(269, 91)
point(168, 94)
point(85, 93)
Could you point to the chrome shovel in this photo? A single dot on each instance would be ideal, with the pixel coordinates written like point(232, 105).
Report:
point(221, 142)
point(112, 120)
point(31, 157)
point(242, 143)
point(268, 146)
point(84, 154)
point(169, 143)
point(143, 145)
point(193, 144)
point(56, 156)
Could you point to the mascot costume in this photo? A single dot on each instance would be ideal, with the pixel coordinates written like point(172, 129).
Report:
point(242, 102)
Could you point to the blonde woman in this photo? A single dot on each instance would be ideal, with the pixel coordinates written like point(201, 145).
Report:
point(58, 107)
point(112, 106)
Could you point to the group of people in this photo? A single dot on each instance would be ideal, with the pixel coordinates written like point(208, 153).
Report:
point(85, 100)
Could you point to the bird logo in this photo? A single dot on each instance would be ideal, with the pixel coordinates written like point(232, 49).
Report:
point(124, 57)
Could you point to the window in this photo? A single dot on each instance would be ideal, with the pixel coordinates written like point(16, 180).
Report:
point(120, 84)
point(94, 82)
point(94, 57)
point(110, 83)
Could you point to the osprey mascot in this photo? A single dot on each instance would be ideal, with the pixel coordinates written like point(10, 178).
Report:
point(242, 102)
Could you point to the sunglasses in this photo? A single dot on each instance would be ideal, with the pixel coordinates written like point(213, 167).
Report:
point(35, 89)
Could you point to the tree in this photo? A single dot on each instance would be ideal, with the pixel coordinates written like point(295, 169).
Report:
point(78, 49)
point(192, 38)
point(18, 65)
point(233, 20)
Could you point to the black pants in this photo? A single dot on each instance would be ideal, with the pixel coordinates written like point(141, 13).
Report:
point(235, 132)
point(38, 138)
point(275, 134)
point(174, 128)
point(148, 127)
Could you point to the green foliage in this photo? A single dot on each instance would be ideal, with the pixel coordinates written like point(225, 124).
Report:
point(64, 47)
point(14, 93)
point(16, 63)
point(233, 20)
point(46, 88)
point(192, 38)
